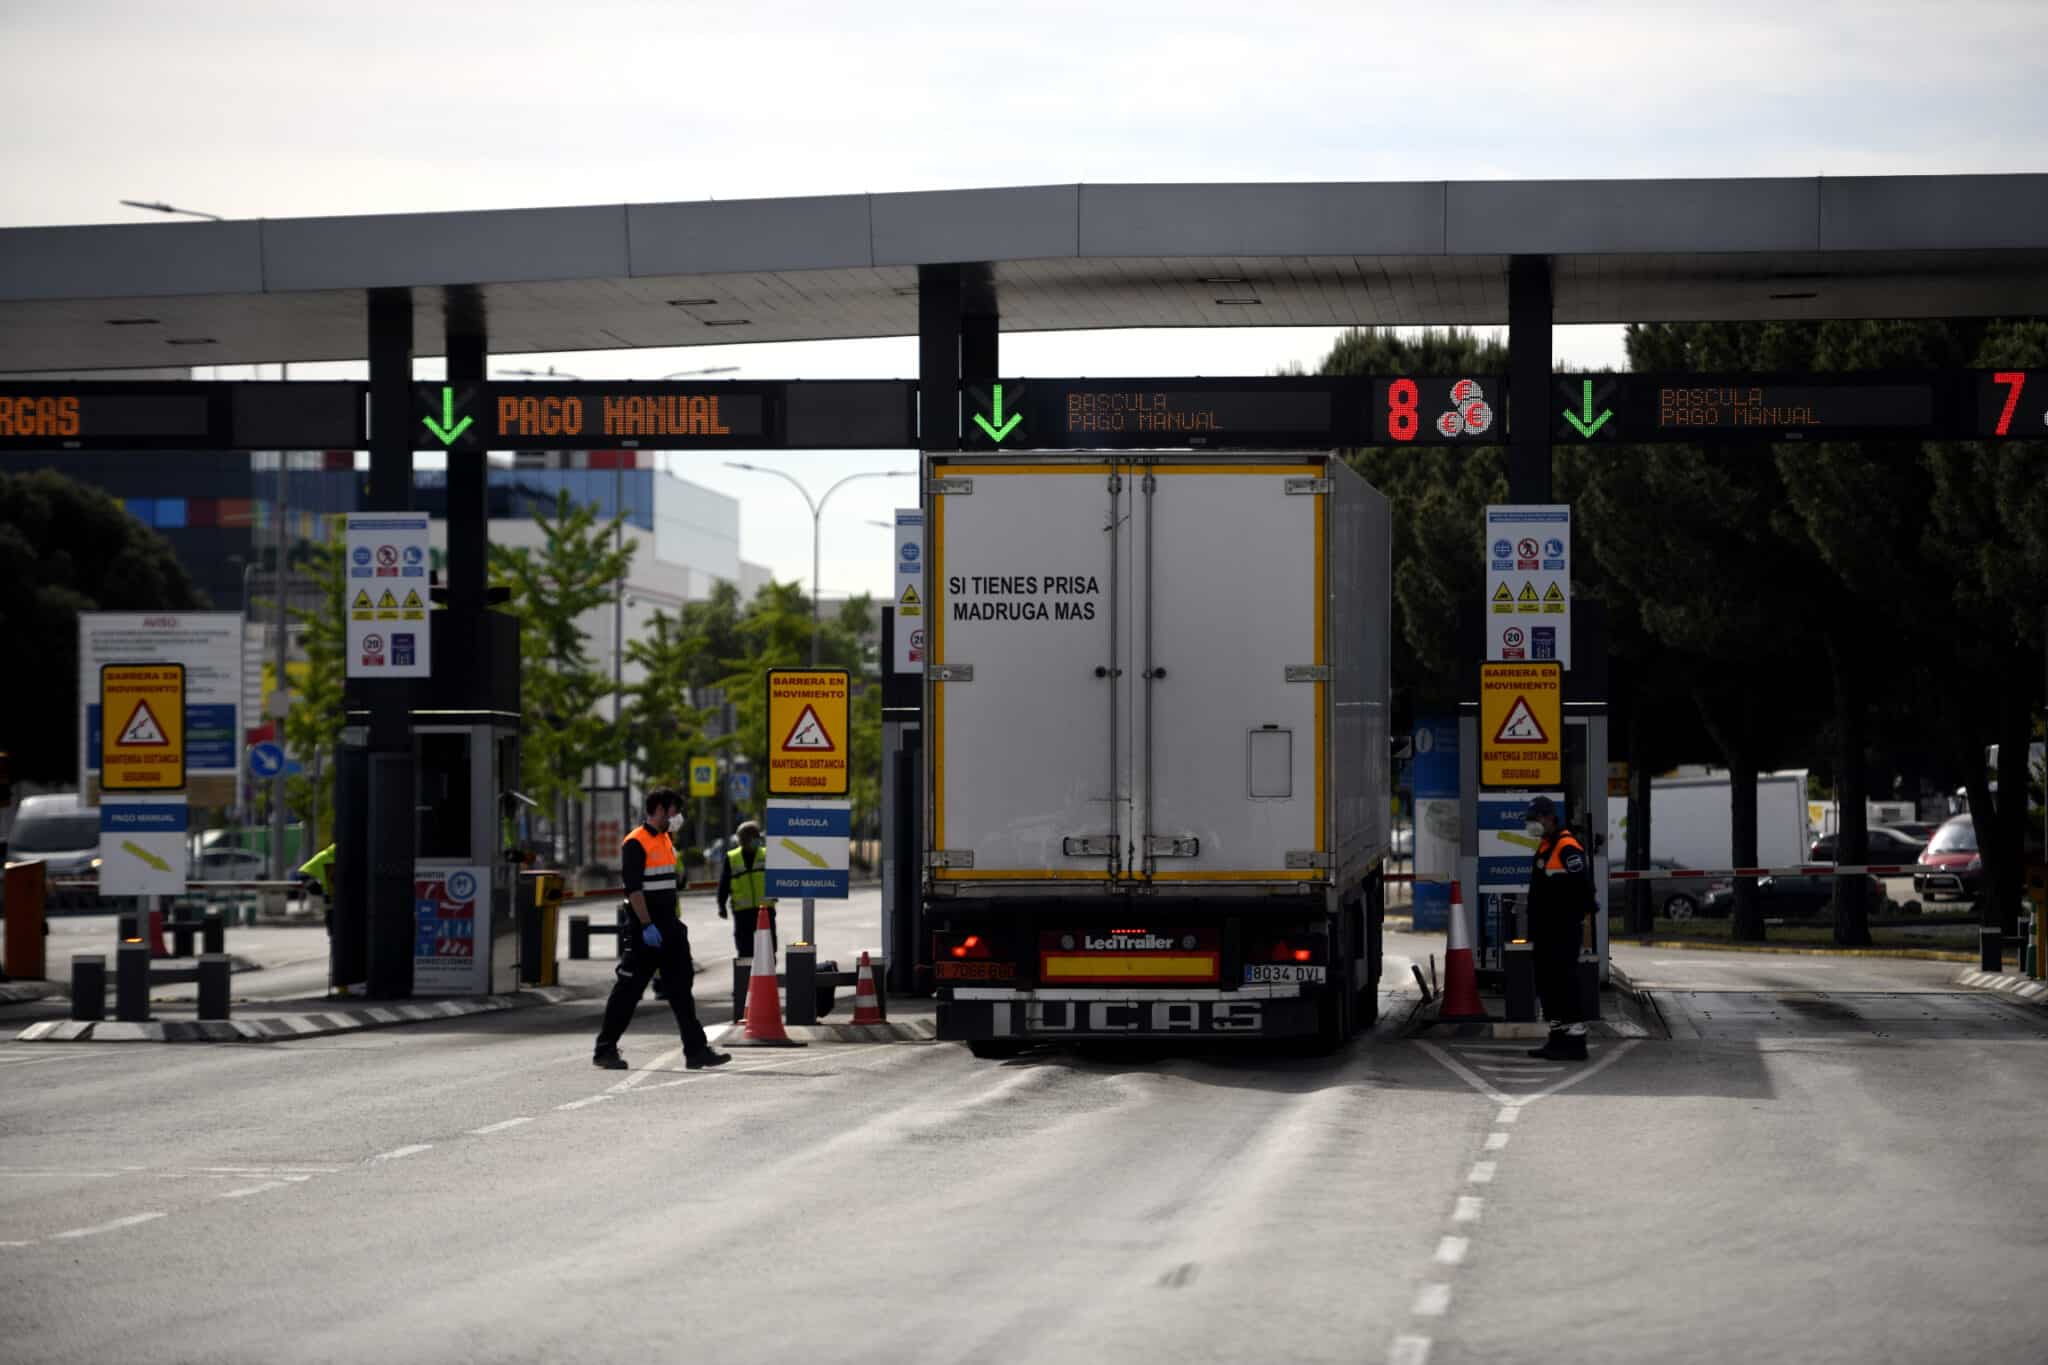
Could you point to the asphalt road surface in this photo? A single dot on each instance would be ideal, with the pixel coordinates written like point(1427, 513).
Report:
point(1805, 1186)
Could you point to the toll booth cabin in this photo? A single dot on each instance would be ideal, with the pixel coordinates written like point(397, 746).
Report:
point(464, 722)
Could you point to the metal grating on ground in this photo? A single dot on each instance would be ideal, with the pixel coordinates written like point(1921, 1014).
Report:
point(1824, 1014)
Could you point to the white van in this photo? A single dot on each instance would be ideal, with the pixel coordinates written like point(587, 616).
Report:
point(65, 837)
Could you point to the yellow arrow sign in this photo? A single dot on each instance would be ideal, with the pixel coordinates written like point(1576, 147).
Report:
point(815, 860)
point(129, 846)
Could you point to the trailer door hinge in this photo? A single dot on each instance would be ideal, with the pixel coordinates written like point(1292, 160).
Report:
point(950, 857)
point(959, 488)
point(1308, 672)
point(1088, 846)
point(1172, 846)
point(1307, 487)
point(950, 672)
point(1306, 859)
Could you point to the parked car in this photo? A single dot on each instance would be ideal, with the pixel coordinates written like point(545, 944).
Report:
point(1887, 845)
point(65, 836)
point(221, 864)
point(1790, 897)
point(1918, 830)
point(1951, 864)
point(1679, 898)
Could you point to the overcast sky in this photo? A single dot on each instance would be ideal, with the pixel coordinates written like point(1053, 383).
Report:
point(286, 108)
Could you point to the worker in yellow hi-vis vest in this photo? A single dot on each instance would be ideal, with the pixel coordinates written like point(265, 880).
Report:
point(743, 890)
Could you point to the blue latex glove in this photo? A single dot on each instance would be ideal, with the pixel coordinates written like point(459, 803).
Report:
point(650, 934)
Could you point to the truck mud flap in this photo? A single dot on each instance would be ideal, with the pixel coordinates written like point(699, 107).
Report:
point(962, 1021)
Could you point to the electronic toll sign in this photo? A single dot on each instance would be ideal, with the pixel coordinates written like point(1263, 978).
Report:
point(1624, 408)
point(1307, 413)
point(2012, 404)
point(181, 415)
point(631, 415)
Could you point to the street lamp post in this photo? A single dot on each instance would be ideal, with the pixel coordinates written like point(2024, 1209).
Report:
point(817, 507)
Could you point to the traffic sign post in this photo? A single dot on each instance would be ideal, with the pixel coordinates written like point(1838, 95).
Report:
point(266, 760)
point(142, 727)
point(808, 739)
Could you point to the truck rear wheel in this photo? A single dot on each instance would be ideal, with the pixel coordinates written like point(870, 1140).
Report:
point(995, 1049)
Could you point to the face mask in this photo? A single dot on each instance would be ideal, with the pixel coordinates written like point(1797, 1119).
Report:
point(675, 823)
point(1535, 829)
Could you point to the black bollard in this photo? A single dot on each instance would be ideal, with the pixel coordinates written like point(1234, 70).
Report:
point(181, 934)
point(131, 983)
point(214, 975)
point(213, 933)
point(1518, 965)
point(128, 927)
point(579, 937)
point(88, 986)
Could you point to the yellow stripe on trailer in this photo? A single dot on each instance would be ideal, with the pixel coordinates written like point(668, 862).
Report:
point(1074, 966)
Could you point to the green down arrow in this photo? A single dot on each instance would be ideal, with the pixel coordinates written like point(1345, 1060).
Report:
point(998, 429)
point(1588, 425)
point(447, 429)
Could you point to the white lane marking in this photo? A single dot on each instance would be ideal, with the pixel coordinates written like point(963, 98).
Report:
point(1481, 1174)
point(634, 1078)
point(1531, 1069)
point(127, 1222)
point(1508, 1115)
point(1496, 1141)
point(1431, 1301)
point(1469, 1208)
point(1451, 1250)
point(256, 1189)
point(490, 1128)
point(1409, 1350)
point(17, 1244)
point(585, 1102)
point(82, 1175)
point(735, 1070)
point(1608, 1056)
point(396, 1153)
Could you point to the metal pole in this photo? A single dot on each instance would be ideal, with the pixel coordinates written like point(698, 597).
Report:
point(817, 524)
point(619, 623)
point(279, 654)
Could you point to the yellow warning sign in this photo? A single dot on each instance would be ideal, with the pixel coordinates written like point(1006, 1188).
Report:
point(362, 598)
point(142, 727)
point(412, 598)
point(1553, 600)
point(1526, 601)
point(910, 604)
point(389, 599)
point(1503, 600)
point(807, 731)
point(1521, 725)
point(362, 609)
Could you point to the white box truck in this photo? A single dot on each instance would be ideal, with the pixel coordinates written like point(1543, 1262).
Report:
point(1691, 824)
point(1156, 762)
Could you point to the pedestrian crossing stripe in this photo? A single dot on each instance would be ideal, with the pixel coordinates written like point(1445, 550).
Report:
point(1521, 726)
point(808, 734)
point(389, 599)
point(412, 599)
point(142, 728)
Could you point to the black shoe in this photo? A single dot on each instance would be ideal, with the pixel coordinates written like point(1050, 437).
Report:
point(698, 1061)
point(1571, 1048)
point(609, 1059)
point(1549, 1049)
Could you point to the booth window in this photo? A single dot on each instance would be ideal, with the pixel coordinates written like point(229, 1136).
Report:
point(445, 815)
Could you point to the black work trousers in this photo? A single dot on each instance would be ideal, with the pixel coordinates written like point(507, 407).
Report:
point(637, 965)
point(743, 930)
point(1554, 943)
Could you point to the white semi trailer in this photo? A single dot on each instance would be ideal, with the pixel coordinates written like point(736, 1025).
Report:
point(1157, 766)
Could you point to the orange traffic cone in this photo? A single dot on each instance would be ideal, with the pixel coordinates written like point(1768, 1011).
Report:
point(764, 997)
point(867, 1005)
point(1461, 974)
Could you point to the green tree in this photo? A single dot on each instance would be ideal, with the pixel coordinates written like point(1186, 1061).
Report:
point(576, 569)
point(319, 712)
point(66, 548)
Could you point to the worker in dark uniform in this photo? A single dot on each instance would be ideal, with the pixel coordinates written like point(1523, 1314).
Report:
point(743, 890)
point(648, 862)
point(1560, 898)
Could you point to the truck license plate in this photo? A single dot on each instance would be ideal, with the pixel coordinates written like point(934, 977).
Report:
point(1258, 972)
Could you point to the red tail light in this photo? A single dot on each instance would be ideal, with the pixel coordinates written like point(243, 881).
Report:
point(1303, 954)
